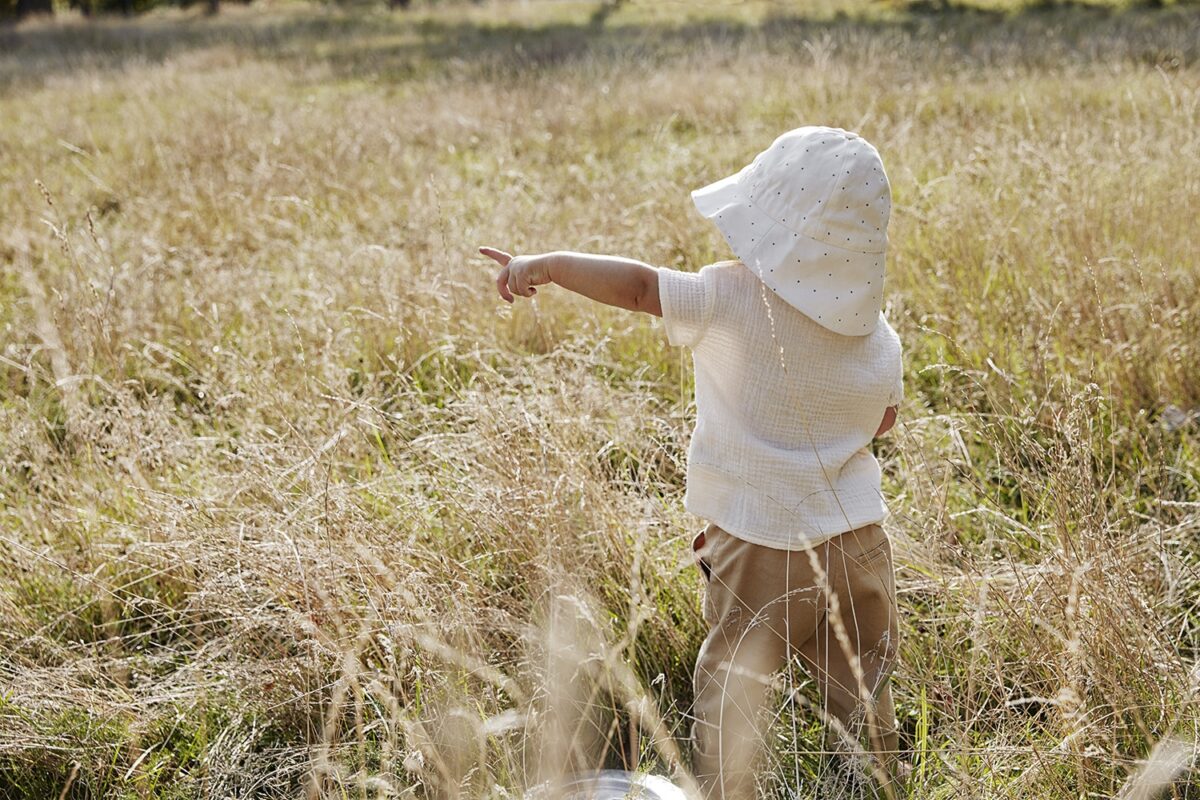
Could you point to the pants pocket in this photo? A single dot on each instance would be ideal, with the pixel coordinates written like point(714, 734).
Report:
point(874, 546)
point(704, 547)
point(701, 551)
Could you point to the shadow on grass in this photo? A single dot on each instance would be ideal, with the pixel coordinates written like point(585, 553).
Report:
point(370, 44)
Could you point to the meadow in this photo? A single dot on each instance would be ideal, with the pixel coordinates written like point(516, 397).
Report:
point(291, 504)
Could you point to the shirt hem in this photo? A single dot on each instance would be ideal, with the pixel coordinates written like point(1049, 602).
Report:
point(723, 499)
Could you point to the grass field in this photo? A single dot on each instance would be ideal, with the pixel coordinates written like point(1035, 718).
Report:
point(291, 503)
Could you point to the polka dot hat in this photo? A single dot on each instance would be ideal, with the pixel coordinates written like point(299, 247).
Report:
point(809, 215)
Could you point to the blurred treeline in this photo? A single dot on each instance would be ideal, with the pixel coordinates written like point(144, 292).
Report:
point(12, 10)
point(15, 10)
point(18, 9)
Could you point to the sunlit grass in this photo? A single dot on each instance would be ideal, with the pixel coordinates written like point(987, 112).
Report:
point(290, 501)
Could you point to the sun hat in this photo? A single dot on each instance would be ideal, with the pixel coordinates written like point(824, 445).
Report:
point(809, 216)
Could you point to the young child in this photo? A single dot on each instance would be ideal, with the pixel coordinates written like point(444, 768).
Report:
point(796, 371)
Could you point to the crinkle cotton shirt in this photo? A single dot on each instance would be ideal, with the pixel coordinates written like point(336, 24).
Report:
point(785, 410)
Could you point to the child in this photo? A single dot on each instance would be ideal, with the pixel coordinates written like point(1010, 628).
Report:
point(795, 369)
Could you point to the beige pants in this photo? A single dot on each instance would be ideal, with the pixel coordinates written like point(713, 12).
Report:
point(833, 607)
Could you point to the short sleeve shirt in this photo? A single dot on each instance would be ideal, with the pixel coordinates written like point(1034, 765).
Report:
point(786, 409)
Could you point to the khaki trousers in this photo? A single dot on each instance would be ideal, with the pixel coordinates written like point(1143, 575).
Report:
point(833, 607)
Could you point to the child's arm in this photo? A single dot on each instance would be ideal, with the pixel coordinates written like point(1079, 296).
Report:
point(616, 281)
point(889, 419)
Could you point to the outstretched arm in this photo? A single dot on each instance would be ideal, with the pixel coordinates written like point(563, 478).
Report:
point(613, 280)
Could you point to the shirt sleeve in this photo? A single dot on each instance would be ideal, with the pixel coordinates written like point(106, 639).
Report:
point(687, 300)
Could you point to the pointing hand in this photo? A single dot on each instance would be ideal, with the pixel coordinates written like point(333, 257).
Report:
point(520, 274)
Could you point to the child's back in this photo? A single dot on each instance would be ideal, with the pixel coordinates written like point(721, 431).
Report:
point(786, 408)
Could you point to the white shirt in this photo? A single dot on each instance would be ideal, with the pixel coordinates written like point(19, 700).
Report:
point(785, 410)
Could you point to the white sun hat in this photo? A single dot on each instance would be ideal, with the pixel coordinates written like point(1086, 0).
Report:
point(809, 216)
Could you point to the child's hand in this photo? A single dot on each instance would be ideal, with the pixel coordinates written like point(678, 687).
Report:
point(889, 419)
point(520, 273)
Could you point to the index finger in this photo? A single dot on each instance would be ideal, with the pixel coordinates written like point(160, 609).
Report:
point(499, 256)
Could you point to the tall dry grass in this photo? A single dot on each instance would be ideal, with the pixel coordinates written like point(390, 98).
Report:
point(291, 503)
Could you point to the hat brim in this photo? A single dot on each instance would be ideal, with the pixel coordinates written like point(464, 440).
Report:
point(710, 199)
